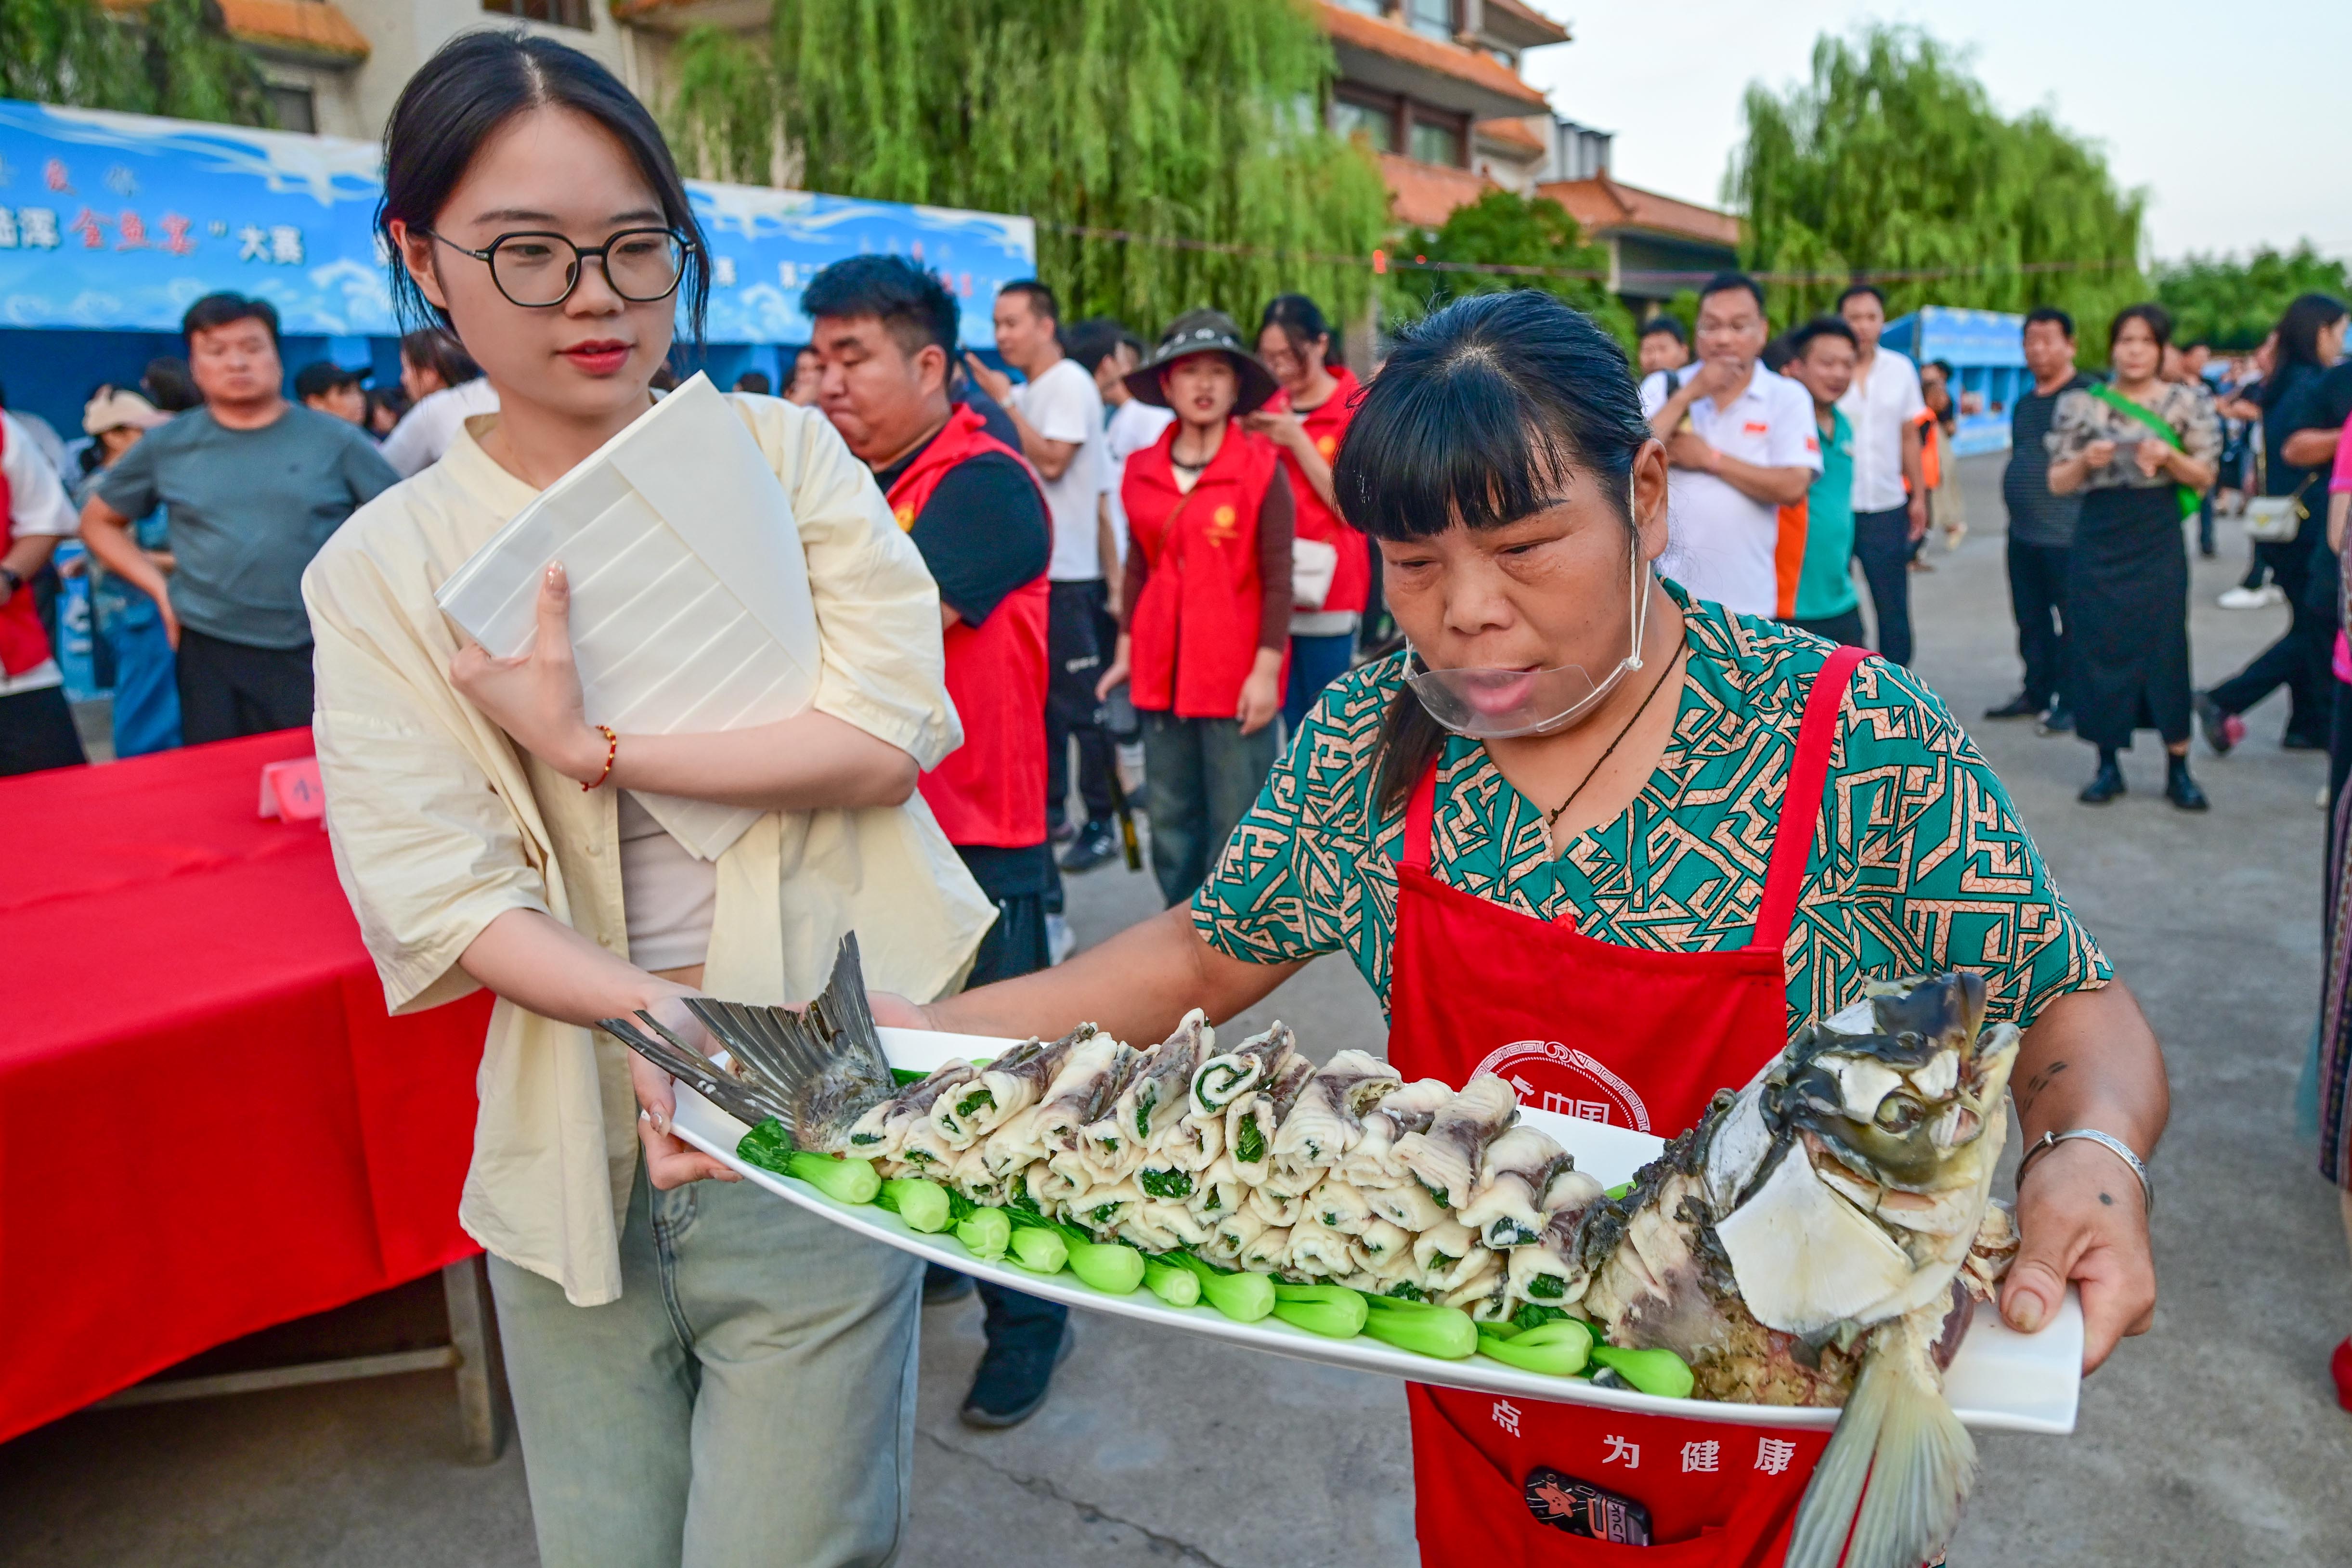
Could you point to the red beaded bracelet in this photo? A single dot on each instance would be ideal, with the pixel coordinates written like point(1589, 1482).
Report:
point(611, 749)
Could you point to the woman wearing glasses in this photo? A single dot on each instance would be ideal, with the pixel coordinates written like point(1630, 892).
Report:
point(666, 1342)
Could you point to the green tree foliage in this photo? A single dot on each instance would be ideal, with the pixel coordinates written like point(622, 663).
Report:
point(1504, 228)
point(2233, 304)
point(1169, 119)
point(1891, 159)
point(173, 58)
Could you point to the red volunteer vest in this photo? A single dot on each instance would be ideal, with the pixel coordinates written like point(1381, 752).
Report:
point(1351, 584)
point(1194, 626)
point(1646, 1041)
point(991, 791)
point(24, 642)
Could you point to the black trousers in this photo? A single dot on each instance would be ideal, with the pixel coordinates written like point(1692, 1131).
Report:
point(228, 689)
point(37, 731)
point(1882, 543)
point(2297, 661)
point(1845, 629)
point(2037, 595)
point(1075, 658)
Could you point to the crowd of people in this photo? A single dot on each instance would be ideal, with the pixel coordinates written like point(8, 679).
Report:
point(1024, 564)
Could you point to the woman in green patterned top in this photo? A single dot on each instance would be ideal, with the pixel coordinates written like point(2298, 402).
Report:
point(1501, 464)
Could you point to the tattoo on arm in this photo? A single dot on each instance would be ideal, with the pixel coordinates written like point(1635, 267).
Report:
point(2036, 1084)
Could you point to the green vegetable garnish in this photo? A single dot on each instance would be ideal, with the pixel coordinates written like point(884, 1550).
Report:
point(905, 1076)
point(1244, 1298)
point(1530, 1315)
point(1040, 1250)
point(1404, 1291)
point(1659, 1372)
point(1334, 1311)
point(985, 1233)
point(1143, 1105)
point(1172, 1283)
point(1166, 1184)
point(1249, 1143)
point(1548, 1287)
point(923, 1205)
point(1446, 1333)
point(769, 1147)
point(1018, 1197)
point(974, 1100)
point(1620, 1190)
point(862, 1139)
point(1558, 1348)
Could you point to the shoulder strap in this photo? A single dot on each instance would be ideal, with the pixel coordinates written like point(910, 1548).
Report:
point(2147, 416)
point(1800, 804)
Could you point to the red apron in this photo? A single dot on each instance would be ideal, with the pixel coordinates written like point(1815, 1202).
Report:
point(991, 791)
point(1194, 629)
point(1639, 1039)
point(24, 641)
point(1327, 422)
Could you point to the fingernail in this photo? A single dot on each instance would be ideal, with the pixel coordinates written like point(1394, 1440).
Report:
point(2027, 1313)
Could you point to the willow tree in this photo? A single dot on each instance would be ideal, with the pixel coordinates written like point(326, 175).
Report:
point(1890, 159)
point(171, 56)
point(1191, 131)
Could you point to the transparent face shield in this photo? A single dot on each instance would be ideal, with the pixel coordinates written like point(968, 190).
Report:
point(1498, 704)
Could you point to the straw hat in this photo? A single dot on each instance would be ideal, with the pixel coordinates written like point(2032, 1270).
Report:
point(114, 408)
point(1204, 332)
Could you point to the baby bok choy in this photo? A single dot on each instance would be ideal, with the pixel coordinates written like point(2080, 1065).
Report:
point(1244, 1298)
point(1424, 1328)
point(1110, 1267)
point(769, 1147)
point(1334, 1311)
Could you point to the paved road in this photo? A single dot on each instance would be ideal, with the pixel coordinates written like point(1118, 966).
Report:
point(2212, 1441)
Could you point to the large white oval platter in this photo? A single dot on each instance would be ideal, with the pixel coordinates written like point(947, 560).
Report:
point(1999, 1380)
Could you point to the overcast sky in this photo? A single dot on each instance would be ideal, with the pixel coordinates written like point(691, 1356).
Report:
point(2189, 99)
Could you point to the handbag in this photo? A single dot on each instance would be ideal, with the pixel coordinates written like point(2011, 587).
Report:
point(1313, 566)
point(2273, 519)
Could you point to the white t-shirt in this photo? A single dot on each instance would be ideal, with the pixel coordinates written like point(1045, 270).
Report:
point(37, 505)
point(1720, 543)
point(1878, 408)
point(425, 432)
point(1134, 425)
point(1062, 404)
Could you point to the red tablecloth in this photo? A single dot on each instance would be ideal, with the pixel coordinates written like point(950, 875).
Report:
point(207, 1123)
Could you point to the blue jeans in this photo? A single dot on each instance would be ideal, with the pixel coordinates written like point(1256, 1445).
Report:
point(749, 1400)
point(1315, 664)
point(1198, 776)
point(146, 672)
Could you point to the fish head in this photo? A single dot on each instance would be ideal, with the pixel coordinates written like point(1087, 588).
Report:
point(1902, 1086)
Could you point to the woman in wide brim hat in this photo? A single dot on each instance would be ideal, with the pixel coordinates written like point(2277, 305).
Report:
point(146, 712)
point(1205, 332)
point(1205, 611)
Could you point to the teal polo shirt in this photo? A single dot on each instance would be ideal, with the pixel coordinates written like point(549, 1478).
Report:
point(1825, 580)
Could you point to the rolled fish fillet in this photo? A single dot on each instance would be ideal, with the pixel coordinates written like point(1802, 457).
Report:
point(1008, 1086)
point(1016, 1142)
point(1329, 1118)
point(1247, 1065)
point(1484, 1296)
point(1274, 1209)
point(1447, 1255)
point(923, 1152)
point(1102, 1209)
point(1230, 1236)
point(1384, 1251)
point(879, 1133)
point(972, 1176)
point(1216, 1191)
point(1317, 1251)
point(1340, 1207)
point(1411, 1109)
point(1547, 1273)
point(1570, 1193)
point(1082, 1091)
point(1254, 1117)
point(1193, 1144)
point(1162, 1224)
point(1153, 1099)
point(1267, 1251)
point(1445, 1158)
point(1506, 1208)
point(1053, 1189)
point(1406, 1204)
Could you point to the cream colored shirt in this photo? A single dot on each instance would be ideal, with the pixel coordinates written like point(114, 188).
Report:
point(440, 823)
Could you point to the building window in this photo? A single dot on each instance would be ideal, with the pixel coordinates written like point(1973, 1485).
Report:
point(294, 108)
point(1431, 18)
point(557, 13)
point(1375, 123)
point(1364, 7)
point(1436, 141)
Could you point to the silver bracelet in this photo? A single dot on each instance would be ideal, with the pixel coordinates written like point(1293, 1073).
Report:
point(2107, 1141)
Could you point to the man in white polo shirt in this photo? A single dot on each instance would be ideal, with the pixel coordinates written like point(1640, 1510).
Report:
point(1743, 444)
point(1890, 496)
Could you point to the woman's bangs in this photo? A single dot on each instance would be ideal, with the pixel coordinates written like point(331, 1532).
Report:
point(1468, 446)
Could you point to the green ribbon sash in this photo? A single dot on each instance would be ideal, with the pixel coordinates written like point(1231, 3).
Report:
point(2190, 500)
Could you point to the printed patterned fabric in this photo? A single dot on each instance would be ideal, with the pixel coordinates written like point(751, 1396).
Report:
point(1919, 861)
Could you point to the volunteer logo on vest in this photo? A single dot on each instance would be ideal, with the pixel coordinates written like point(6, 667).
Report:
point(1550, 1076)
point(1221, 525)
point(1325, 445)
point(1580, 1508)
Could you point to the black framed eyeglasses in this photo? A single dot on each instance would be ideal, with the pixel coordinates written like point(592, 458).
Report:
point(536, 270)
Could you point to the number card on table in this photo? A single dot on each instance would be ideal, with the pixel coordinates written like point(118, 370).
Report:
point(690, 607)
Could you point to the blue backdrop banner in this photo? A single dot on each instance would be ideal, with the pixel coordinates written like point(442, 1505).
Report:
point(119, 222)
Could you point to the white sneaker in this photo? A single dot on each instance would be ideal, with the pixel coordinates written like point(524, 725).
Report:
point(1060, 940)
point(2243, 598)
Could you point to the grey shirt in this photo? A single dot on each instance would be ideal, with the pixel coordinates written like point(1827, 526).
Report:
point(247, 510)
point(2035, 515)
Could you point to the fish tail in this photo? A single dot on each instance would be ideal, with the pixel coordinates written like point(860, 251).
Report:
point(1897, 1471)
